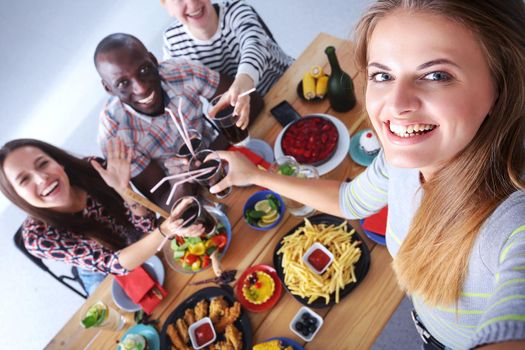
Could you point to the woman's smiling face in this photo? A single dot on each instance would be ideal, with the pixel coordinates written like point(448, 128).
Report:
point(429, 88)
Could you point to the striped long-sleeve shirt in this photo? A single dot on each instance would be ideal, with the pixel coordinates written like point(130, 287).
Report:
point(241, 45)
point(492, 305)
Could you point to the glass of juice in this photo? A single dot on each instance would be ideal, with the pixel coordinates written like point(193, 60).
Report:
point(206, 159)
point(192, 212)
point(288, 166)
point(225, 120)
point(100, 315)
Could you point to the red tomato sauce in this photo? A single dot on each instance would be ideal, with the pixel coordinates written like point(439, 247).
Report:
point(203, 334)
point(318, 259)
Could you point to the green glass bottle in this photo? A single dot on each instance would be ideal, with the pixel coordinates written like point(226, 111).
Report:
point(340, 86)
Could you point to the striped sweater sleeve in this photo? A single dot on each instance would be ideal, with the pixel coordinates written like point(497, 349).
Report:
point(367, 193)
point(504, 318)
point(254, 42)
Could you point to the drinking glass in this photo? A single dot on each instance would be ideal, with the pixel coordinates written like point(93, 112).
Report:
point(196, 141)
point(100, 315)
point(191, 211)
point(209, 159)
point(288, 166)
point(226, 120)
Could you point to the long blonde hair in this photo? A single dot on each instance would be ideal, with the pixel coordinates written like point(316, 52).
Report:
point(433, 260)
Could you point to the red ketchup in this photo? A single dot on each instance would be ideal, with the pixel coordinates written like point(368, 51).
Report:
point(203, 334)
point(318, 259)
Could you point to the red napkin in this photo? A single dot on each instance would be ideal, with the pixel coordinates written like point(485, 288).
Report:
point(254, 158)
point(142, 289)
point(377, 222)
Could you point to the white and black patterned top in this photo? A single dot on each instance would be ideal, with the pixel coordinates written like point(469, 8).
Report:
point(242, 44)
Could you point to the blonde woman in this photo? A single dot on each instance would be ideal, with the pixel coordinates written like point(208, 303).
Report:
point(446, 96)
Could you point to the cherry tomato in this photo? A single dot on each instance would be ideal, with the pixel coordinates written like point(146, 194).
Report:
point(220, 240)
point(206, 261)
point(190, 259)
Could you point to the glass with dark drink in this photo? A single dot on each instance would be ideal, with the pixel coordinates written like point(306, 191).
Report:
point(207, 159)
point(225, 120)
point(192, 212)
point(196, 143)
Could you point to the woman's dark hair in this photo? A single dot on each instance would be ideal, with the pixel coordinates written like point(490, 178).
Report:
point(81, 175)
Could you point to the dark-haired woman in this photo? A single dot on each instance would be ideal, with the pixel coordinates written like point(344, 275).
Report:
point(77, 211)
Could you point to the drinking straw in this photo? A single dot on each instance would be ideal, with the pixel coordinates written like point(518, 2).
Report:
point(247, 92)
point(193, 177)
point(181, 132)
point(145, 202)
point(176, 176)
point(182, 225)
point(184, 128)
point(88, 345)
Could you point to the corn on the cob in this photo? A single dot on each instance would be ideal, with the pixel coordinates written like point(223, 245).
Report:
point(316, 71)
point(321, 86)
point(308, 86)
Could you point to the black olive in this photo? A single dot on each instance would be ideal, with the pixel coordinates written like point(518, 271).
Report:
point(313, 321)
point(299, 326)
point(305, 332)
point(305, 316)
point(311, 328)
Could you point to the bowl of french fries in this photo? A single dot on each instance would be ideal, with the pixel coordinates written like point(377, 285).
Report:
point(351, 261)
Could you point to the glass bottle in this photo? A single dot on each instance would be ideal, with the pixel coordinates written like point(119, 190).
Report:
point(340, 87)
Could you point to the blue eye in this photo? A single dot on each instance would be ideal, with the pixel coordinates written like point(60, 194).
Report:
point(379, 77)
point(437, 76)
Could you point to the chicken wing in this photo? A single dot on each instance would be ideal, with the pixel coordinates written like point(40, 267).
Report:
point(233, 336)
point(218, 307)
point(201, 309)
point(230, 315)
point(177, 342)
point(182, 328)
point(189, 316)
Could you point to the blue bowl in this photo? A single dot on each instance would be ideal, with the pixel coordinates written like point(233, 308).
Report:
point(258, 196)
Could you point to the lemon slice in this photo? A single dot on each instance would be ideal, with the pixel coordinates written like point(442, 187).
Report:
point(263, 206)
point(270, 217)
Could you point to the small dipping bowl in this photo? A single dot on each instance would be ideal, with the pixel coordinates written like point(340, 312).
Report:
point(299, 318)
point(259, 196)
point(318, 252)
point(194, 327)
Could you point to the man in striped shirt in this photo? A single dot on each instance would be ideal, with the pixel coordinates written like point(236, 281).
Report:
point(140, 90)
point(230, 38)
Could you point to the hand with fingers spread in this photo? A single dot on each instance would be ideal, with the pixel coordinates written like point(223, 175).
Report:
point(117, 173)
point(241, 171)
point(175, 225)
point(231, 97)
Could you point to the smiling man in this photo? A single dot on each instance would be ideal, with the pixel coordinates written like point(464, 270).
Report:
point(141, 88)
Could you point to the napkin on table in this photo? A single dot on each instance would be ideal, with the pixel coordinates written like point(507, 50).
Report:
point(253, 157)
point(142, 289)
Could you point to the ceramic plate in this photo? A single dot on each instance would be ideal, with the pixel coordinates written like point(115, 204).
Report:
point(356, 153)
point(268, 304)
point(148, 332)
point(154, 268)
point(242, 323)
point(261, 148)
point(340, 153)
point(361, 267)
point(288, 342)
point(374, 236)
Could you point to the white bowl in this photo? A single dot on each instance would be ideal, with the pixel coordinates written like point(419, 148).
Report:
point(194, 326)
point(325, 250)
point(298, 317)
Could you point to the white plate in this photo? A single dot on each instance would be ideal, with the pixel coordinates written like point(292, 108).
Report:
point(154, 268)
point(261, 148)
point(343, 144)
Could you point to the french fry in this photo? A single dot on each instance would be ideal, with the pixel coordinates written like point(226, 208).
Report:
point(305, 283)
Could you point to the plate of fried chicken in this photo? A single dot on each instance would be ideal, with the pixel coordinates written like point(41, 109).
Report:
point(230, 323)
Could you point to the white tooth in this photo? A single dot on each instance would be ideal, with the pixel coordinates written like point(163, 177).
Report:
point(418, 127)
point(49, 188)
point(410, 128)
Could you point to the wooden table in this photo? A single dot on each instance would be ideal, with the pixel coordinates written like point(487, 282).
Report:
point(352, 324)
